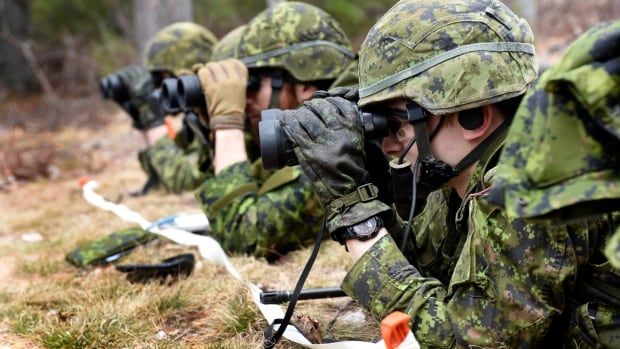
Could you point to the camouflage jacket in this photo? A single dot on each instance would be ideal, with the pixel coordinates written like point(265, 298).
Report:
point(472, 276)
point(180, 166)
point(260, 212)
point(177, 168)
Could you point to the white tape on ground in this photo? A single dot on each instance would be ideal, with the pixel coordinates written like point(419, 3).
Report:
point(211, 250)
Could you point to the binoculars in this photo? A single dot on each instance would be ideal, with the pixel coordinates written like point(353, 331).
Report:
point(113, 87)
point(277, 150)
point(186, 92)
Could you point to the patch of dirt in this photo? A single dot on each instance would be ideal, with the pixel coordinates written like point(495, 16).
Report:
point(9, 340)
point(7, 272)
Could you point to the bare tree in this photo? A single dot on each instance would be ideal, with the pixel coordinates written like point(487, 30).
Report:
point(152, 15)
point(14, 47)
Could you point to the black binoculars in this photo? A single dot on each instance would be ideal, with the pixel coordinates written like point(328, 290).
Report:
point(186, 92)
point(113, 87)
point(277, 150)
point(177, 94)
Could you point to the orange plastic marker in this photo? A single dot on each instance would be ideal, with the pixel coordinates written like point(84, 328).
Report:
point(394, 329)
point(170, 127)
point(83, 180)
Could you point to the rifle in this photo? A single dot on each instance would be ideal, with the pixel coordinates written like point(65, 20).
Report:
point(279, 297)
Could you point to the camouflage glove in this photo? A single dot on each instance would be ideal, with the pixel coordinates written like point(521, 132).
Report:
point(329, 144)
point(224, 85)
point(140, 86)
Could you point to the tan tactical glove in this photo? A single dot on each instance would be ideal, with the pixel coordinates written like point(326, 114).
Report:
point(224, 85)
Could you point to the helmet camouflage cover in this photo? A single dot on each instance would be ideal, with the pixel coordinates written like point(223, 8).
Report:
point(561, 159)
point(300, 38)
point(447, 55)
point(227, 46)
point(178, 47)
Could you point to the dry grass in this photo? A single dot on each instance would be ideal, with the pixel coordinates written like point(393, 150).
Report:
point(47, 303)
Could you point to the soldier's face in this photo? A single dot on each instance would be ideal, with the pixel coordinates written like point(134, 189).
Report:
point(258, 100)
point(401, 133)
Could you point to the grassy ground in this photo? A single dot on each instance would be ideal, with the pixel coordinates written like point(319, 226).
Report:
point(47, 303)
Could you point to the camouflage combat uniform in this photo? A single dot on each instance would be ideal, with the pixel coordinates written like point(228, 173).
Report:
point(561, 163)
point(177, 164)
point(268, 213)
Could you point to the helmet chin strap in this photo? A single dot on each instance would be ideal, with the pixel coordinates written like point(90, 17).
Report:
point(431, 172)
point(435, 173)
point(277, 81)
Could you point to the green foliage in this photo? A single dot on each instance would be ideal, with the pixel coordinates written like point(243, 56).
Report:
point(170, 302)
point(355, 17)
point(88, 19)
point(102, 29)
point(94, 332)
point(112, 52)
point(221, 16)
point(26, 322)
point(243, 315)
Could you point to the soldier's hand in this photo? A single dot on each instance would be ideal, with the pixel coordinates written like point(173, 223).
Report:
point(139, 86)
point(224, 85)
point(329, 143)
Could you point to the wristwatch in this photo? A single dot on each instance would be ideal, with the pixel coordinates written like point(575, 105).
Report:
point(362, 231)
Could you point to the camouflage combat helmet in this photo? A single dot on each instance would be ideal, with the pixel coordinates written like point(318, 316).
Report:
point(178, 47)
point(300, 38)
point(227, 46)
point(447, 55)
point(561, 159)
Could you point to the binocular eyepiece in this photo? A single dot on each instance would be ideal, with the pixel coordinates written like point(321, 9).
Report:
point(113, 87)
point(181, 93)
point(277, 150)
point(168, 96)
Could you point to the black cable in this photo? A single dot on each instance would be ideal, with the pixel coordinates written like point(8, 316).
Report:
point(271, 342)
point(406, 150)
point(414, 184)
point(414, 189)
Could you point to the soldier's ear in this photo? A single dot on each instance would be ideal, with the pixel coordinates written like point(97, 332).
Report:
point(480, 125)
point(304, 91)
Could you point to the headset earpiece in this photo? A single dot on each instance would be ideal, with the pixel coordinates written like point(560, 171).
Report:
point(471, 119)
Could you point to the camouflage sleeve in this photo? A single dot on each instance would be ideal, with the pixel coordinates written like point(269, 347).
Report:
point(612, 250)
point(507, 284)
point(264, 218)
point(176, 168)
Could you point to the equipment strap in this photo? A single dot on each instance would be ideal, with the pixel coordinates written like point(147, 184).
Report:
point(363, 193)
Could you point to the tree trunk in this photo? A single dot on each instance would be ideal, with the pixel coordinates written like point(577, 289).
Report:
point(152, 15)
point(15, 72)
